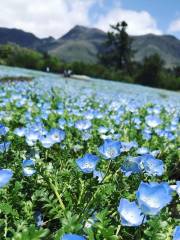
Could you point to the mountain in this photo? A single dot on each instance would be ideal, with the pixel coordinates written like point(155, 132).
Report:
point(24, 39)
point(84, 44)
point(79, 44)
point(167, 46)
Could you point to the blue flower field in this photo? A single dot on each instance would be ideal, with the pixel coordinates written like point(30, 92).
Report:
point(87, 159)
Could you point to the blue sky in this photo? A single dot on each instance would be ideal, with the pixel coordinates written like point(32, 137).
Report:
point(164, 12)
point(56, 17)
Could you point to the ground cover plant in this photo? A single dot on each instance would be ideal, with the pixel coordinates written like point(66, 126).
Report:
point(82, 163)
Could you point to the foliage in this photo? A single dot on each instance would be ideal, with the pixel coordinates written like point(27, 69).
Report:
point(119, 53)
point(150, 72)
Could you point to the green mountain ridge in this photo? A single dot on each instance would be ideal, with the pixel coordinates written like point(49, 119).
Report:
point(84, 44)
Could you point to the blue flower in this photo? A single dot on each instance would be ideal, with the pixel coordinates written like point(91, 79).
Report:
point(20, 131)
point(102, 130)
point(151, 165)
point(62, 122)
point(176, 233)
point(31, 137)
point(110, 149)
point(38, 218)
point(131, 165)
point(126, 146)
point(28, 167)
point(83, 124)
point(56, 135)
point(152, 197)
point(99, 175)
point(5, 176)
point(178, 187)
point(71, 236)
point(130, 214)
point(4, 147)
point(142, 150)
point(88, 163)
point(3, 130)
point(46, 141)
point(86, 136)
point(153, 121)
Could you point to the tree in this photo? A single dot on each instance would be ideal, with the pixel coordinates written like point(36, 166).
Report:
point(119, 52)
point(151, 71)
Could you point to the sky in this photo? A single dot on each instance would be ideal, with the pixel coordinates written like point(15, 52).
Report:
point(55, 17)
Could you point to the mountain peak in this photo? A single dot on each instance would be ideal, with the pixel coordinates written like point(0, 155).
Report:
point(82, 32)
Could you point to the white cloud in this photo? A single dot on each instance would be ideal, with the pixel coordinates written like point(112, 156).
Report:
point(56, 17)
point(138, 22)
point(174, 26)
point(45, 17)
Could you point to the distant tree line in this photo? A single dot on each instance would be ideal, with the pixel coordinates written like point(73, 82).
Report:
point(115, 63)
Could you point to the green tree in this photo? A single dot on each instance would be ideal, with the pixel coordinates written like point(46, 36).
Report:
point(151, 71)
point(119, 51)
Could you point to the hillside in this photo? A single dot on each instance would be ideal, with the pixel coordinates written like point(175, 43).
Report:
point(24, 39)
point(84, 44)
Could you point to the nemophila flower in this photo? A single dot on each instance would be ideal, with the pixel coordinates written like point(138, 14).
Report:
point(151, 165)
point(5, 176)
point(20, 131)
point(89, 114)
point(28, 167)
point(46, 141)
point(104, 137)
point(176, 233)
point(99, 175)
point(130, 213)
point(152, 197)
point(131, 165)
point(157, 109)
point(88, 163)
point(86, 136)
point(116, 136)
point(146, 134)
point(56, 135)
point(98, 115)
point(167, 134)
point(178, 187)
point(31, 137)
point(77, 147)
point(70, 236)
point(102, 130)
point(91, 221)
point(153, 121)
point(136, 120)
point(62, 122)
point(142, 150)
point(4, 147)
point(83, 124)
point(155, 153)
point(3, 130)
point(126, 146)
point(38, 218)
point(45, 114)
point(112, 131)
point(110, 149)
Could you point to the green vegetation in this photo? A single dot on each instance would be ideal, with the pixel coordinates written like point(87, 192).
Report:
point(118, 52)
point(117, 65)
point(14, 55)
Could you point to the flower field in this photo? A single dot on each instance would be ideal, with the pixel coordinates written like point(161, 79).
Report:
point(87, 160)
